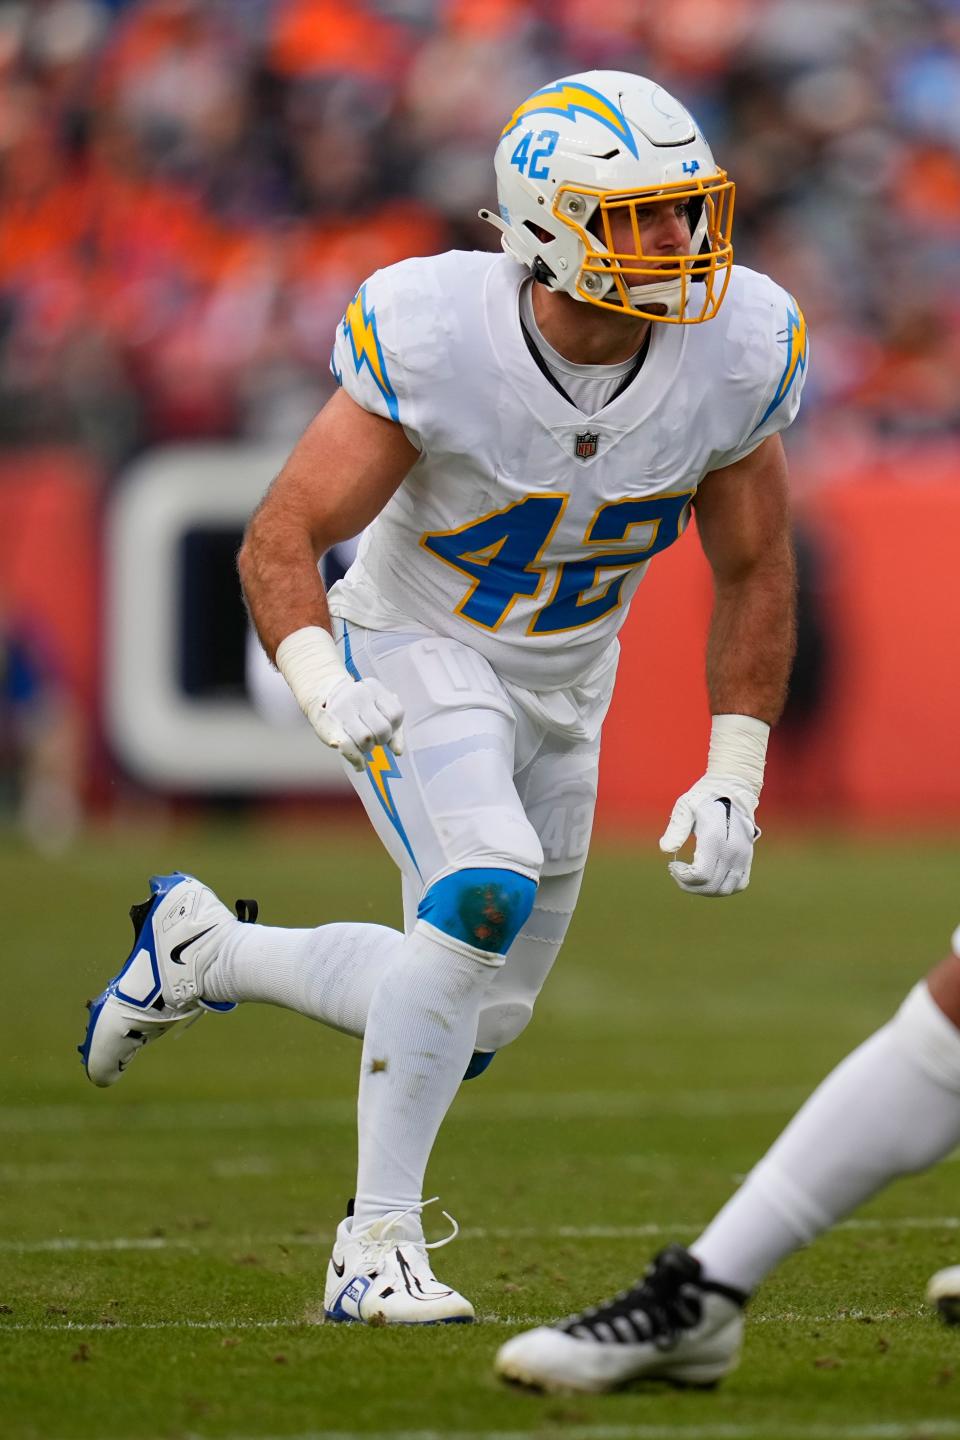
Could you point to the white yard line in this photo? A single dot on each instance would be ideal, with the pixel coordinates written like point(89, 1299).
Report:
point(28, 1327)
point(212, 1240)
point(33, 1327)
point(244, 1115)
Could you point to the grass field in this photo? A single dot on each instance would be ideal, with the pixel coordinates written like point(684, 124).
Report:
point(163, 1244)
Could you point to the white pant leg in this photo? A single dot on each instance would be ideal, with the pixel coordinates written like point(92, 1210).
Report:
point(450, 801)
point(558, 788)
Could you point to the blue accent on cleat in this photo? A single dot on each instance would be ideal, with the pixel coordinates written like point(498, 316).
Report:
point(335, 1319)
point(160, 887)
point(479, 1061)
point(95, 1007)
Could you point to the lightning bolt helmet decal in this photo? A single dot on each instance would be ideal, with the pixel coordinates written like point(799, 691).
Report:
point(571, 100)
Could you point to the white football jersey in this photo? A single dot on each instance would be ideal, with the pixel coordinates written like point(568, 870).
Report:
point(525, 526)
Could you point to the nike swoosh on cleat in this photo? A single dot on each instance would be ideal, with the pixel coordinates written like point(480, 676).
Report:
point(178, 950)
point(408, 1275)
point(338, 1269)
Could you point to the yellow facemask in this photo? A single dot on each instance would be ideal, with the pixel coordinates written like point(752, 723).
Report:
point(672, 289)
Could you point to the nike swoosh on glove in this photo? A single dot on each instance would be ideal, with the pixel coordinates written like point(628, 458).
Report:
point(356, 716)
point(719, 811)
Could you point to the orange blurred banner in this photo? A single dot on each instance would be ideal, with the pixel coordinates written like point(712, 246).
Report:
point(884, 747)
point(49, 501)
point(881, 750)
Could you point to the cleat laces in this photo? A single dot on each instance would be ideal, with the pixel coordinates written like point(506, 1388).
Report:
point(657, 1311)
point(374, 1250)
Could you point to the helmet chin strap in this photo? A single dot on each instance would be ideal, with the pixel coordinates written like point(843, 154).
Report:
point(668, 293)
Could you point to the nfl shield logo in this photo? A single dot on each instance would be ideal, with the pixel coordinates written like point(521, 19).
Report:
point(586, 446)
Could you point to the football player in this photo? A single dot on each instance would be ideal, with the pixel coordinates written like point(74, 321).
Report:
point(517, 435)
point(890, 1108)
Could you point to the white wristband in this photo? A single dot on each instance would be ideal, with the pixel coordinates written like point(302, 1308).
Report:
point(738, 748)
point(310, 662)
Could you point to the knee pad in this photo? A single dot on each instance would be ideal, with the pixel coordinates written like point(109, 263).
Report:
point(483, 908)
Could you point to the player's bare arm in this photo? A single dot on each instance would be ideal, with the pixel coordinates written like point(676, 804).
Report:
point(743, 519)
point(339, 476)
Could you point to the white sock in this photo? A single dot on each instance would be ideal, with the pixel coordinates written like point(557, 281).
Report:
point(328, 974)
point(420, 1033)
point(890, 1108)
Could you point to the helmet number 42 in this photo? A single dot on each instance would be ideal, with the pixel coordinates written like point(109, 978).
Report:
point(546, 144)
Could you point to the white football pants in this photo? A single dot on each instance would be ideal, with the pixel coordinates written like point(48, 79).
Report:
point(480, 785)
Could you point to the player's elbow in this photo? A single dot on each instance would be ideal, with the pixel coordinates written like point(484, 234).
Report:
point(247, 560)
point(262, 550)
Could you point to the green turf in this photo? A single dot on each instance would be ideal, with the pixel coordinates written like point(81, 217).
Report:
point(163, 1244)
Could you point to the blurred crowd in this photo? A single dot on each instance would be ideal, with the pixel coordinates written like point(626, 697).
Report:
point(191, 190)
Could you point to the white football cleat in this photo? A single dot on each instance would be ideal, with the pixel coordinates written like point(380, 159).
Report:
point(673, 1326)
point(943, 1293)
point(176, 933)
point(381, 1275)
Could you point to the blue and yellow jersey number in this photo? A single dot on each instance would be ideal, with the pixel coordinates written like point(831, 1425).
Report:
point(504, 555)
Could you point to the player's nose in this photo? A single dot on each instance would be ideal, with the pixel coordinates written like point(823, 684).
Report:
point(671, 233)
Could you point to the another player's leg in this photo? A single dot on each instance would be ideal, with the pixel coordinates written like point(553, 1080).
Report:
point(673, 1326)
point(943, 1294)
point(891, 1108)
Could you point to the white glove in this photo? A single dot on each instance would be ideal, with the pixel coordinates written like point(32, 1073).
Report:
point(356, 716)
point(719, 811)
point(349, 715)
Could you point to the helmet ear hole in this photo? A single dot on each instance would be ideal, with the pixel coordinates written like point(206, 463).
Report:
point(544, 236)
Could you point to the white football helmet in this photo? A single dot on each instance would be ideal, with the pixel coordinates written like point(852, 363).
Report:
point(589, 149)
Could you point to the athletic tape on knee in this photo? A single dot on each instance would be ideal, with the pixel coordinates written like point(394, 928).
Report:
point(485, 909)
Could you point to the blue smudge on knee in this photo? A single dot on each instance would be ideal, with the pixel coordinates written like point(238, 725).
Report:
point(479, 1061)
point(484, 908)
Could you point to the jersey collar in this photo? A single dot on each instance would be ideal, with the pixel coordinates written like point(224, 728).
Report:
point(551, 407)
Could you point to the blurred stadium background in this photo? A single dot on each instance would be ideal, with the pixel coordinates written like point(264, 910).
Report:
point(189, 195)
